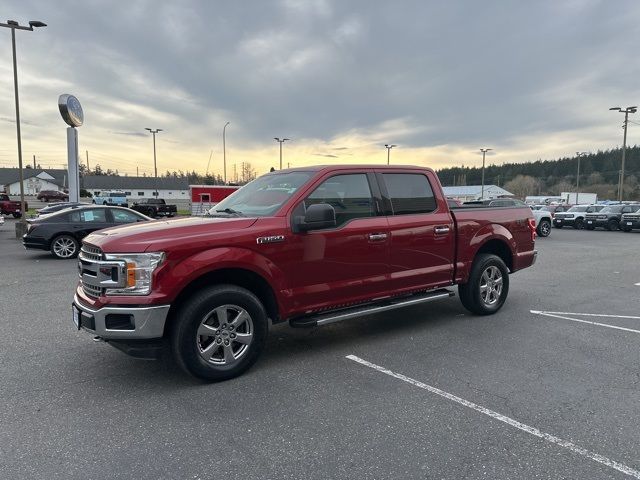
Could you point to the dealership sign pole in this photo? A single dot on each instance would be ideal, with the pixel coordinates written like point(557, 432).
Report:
point(72, 114)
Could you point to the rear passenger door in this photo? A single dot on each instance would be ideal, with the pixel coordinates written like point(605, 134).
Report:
point(86, 221)
point(421, 249)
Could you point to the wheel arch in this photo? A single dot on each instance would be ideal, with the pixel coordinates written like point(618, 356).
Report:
point(238, 276)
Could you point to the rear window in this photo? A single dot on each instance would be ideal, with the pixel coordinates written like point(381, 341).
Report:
point(410, 193)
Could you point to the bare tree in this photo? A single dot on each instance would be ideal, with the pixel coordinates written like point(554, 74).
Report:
point(522, 185)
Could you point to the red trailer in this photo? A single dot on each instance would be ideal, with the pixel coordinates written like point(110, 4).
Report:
point(203, 197)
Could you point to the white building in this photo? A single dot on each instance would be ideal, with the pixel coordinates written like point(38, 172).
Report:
point(138, 187)
point(469, 193)
point(35, 180)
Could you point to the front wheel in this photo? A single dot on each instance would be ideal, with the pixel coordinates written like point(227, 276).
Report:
point(488, 285)
point(64, 246)
point(544, 228)
point(578, 223)
point(612, 225)
point(219, 332)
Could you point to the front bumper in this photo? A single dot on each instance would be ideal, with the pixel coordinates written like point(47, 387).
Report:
point(123, 323)
point(596, 223)
point(632, 224)
point(563, 221)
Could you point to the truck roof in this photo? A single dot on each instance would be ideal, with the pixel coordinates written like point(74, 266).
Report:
point(319, 168)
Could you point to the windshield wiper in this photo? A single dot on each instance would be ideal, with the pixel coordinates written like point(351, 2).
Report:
point(231, 211)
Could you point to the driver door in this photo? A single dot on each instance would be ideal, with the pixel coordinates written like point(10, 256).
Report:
point(347, 263)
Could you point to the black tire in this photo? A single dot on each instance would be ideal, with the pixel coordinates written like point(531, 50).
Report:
point(93, 201)
point(470, 292)
point(45, 199)
point(578, 224)
point(589, 227)
point(557, 225)
point(64, 247)
point(187, 345)
point(105, 203)
point(626, 229)
point(153, 213)
point(612, 224)
point(544, 228)
point(17, 214)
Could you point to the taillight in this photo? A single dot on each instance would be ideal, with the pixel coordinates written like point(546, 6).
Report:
point(532, 227)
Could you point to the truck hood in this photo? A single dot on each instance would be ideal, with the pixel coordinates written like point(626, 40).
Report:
point(140, 237)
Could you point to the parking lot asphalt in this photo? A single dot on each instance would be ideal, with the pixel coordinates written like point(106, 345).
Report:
point(73, 408)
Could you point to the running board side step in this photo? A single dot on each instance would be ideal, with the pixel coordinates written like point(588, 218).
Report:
point(368, 309)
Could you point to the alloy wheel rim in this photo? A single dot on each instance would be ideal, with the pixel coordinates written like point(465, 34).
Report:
point(545, 227)
point(225, 335)
point(64, 247)
point(491, 283)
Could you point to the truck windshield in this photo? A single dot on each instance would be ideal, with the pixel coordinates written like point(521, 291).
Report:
point(262, 197)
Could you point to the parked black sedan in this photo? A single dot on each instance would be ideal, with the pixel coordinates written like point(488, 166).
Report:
point(56, 207)
point(61, 232)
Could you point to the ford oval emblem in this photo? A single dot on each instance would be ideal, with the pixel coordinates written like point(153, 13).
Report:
point(71, 110)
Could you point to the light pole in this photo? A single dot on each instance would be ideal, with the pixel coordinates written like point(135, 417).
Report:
point(155, 165)
point(224, 150)
point(389, 146)
point(281, 141)
point(579, 154)
point(13, 25)
point(484, 153)
point(626, 112)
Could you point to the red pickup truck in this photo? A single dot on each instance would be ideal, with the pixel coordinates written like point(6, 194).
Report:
point(10, 207)
point(310, 246)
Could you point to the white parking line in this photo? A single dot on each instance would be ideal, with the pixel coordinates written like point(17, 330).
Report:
point(563, 317)
point(586, 314)
point(502, 418)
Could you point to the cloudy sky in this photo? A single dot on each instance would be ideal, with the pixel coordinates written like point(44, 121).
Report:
point(340, 78)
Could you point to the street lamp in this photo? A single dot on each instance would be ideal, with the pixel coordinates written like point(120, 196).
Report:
point(484, 153)
point(155, 165)
point(224, 150)
point(13, 25)
point(281, 141)
point(579, 154)
point(626, 112)
point(389, 147)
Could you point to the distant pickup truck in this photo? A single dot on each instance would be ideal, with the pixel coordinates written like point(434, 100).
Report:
point(309, 246)
point(10, 207)
point(111, 197)
point(154, 207)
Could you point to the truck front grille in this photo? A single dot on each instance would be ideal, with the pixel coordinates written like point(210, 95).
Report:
point(91, 290)
point(87, 271)
point(89, 252)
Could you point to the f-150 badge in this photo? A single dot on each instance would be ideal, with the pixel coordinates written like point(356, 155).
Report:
point(271, 239)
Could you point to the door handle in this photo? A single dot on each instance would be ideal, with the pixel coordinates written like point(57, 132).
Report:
point(377, 237)
point(441, 230)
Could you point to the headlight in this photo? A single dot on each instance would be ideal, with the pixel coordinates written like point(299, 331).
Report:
point(139, 272)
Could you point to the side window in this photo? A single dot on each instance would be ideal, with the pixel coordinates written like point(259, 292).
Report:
point(349, 195)
point(122, 216)
point(89, 216)
point(410, 193)
point(627, 210)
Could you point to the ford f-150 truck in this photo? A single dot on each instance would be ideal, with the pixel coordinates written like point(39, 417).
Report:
point(10, 207)
point(308, 246)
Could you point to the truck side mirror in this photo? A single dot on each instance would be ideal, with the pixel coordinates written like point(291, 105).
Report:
point(317, 216)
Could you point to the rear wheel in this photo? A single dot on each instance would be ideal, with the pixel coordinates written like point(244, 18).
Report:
point(544, 228)
point(16, 214)
point(488, 285)
point(219, 333)
point(578, 223)
point(64, 246)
